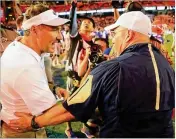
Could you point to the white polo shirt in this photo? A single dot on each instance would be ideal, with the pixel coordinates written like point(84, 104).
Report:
point(24, 85)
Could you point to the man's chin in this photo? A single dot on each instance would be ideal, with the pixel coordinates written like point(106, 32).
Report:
point(86, 29)
point(50, 51)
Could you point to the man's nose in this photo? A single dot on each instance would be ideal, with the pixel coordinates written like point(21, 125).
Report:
point(59, 36)
point(113, 40)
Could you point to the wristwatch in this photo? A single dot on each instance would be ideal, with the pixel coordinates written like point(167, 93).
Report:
point(34, 125)
point(54, 89)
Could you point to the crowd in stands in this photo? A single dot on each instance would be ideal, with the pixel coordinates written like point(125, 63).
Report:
point(162, 23)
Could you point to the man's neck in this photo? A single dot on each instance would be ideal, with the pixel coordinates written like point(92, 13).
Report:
point(31, 43)
point(133, 43)
point(146, 40)
point(86, 35)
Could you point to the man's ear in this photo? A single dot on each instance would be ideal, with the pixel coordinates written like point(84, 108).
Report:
point(33, 30)
point(130, 36)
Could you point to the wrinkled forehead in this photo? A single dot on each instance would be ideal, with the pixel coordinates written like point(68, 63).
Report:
point(119, 28)
point(52, 27)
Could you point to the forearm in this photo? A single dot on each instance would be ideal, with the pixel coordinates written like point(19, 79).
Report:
point(82, 67)
point(85, 76)
point(73, 19)
point(55, 115)
point(116, 14)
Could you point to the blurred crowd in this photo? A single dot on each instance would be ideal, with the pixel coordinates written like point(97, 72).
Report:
point(163, 25)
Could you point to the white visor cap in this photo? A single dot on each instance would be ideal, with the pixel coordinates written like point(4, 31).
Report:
point(48, 17)
point(135, 20)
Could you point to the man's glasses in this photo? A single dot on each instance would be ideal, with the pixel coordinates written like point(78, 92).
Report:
point(114, 32)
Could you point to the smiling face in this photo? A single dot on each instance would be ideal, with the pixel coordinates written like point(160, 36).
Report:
point(46, 37)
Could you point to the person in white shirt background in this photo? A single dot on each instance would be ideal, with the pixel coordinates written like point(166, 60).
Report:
point(57, 52)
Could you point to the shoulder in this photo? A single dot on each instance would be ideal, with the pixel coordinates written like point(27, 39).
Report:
point(16, 56)
point(112, 66)
point(106, 67)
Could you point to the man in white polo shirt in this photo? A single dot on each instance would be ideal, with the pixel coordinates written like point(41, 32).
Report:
point(24, 85)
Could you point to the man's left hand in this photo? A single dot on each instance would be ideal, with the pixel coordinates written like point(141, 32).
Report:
point(62, 93)
point(23, 123)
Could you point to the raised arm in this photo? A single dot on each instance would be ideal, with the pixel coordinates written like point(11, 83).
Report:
point(83, 63)
point(73, 19)
point(116, 14)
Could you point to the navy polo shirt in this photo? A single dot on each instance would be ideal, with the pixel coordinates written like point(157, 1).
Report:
point(124, 90)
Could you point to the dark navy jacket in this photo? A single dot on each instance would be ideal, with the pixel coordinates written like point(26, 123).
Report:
point(124, 90)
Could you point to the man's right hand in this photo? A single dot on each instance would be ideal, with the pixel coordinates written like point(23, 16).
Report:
point(75, 1)
point(88, 51)
point(22, 124)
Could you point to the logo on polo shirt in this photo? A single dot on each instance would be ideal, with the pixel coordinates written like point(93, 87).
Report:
point(82, 93)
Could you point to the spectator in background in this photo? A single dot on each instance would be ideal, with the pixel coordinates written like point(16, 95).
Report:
point(104, 46)
point(103, 43)
point(19, 21)
point(101, 33)
point(56, 54)
point(66, 40)
point(81, 42)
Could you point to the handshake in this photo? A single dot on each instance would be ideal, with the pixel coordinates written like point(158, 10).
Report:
point(60, 93)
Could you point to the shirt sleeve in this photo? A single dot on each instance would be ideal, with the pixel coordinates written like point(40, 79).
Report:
point(73, 23)
point(83, 102)
point(32, 86)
